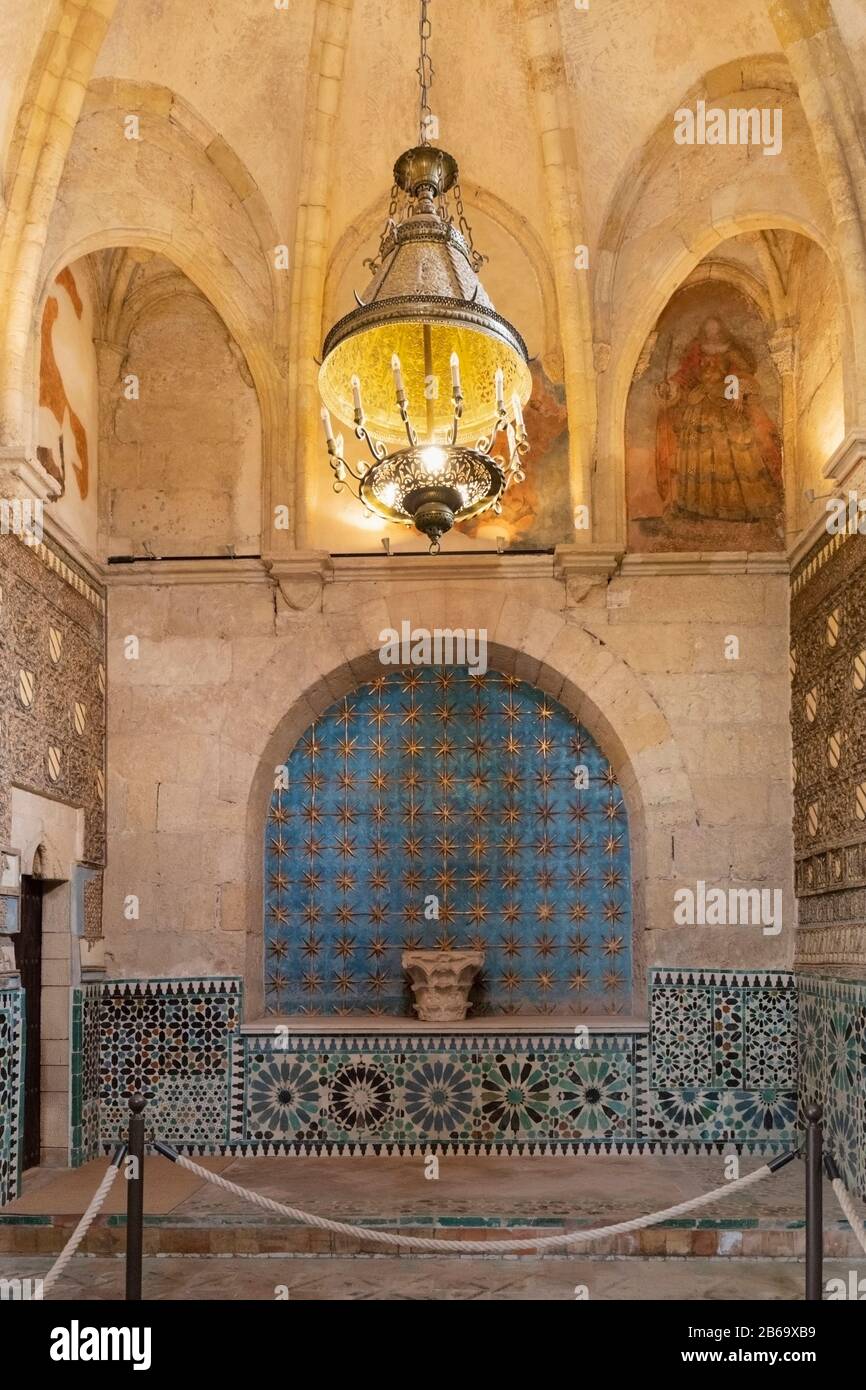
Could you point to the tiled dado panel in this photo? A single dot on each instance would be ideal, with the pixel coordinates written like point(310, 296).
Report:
point(723, 1056)
point(11, 1090)
point(168, 1040)
point(52, 688)
point(833, 1068)
point(462, 1093)
point(717, 1066)
point(84, 1140)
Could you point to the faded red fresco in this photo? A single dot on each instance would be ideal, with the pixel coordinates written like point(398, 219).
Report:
point(52, 394)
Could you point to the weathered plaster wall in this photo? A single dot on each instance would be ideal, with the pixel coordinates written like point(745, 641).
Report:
point(182, 457)
point(819, 383)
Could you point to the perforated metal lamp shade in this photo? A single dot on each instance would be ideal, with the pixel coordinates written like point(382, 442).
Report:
point(423, 304)
point(425, 369)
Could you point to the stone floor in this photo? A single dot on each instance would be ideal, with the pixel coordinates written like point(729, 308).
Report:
point(324, 1278)
point(208, 1244)
point(493, 1190)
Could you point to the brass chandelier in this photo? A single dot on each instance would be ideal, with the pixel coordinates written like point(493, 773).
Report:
point(432, 378)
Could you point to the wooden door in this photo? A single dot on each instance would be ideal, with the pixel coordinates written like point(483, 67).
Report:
point(28, 959)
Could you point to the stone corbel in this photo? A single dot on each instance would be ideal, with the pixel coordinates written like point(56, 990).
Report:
point(847, 467)
point(92, 958)
point(301, 577)
point(582, 567)
point(22, 477)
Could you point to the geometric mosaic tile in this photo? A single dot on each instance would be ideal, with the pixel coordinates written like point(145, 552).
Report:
point(489, 1090)
point(84, 1117)
point(832, 1052)
point(169, 1040)
point(723, 1056)
point(11, 1091)
point(716, 1066)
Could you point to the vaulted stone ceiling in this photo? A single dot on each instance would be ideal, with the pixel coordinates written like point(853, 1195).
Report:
point(267, 126)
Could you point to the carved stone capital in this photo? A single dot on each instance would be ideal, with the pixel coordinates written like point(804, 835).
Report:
point(441, 981)
point(783, 348)
point(601, 356)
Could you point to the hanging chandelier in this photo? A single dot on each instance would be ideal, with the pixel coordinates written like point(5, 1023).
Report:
point(432, 378)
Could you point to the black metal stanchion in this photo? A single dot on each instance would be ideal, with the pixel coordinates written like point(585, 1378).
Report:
point(135, 1199)
point(814, 1204)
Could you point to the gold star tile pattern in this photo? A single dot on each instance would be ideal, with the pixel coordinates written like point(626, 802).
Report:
point(439, 807)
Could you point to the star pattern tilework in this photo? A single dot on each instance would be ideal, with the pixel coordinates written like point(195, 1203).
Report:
point(437, 789)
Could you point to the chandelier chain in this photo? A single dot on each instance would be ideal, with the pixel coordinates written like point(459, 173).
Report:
point(425, 76)
point(477, 258)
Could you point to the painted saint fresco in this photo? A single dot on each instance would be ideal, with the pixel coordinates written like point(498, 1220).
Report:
point(703, 443)
point(59, 423)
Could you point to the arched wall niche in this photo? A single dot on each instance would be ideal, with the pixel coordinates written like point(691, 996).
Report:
point(222, 237)
point(777, 300)
point(597, 688)
point(664, 220)
point(447, 806)
point(132, 283)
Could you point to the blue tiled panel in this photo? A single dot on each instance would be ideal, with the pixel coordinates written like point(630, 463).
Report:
point(833, 1068)
point(436, 781)
point(11, 1091)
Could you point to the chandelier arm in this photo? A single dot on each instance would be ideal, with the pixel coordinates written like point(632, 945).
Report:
point(341, 466)
point(404, 416)
point(339, 484)
point(378, 450)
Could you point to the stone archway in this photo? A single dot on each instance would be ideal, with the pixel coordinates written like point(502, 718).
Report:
point(561, 658)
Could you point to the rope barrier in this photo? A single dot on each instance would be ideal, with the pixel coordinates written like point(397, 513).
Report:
point(843, 1197)
point(87, 1220)
point(475, 1247)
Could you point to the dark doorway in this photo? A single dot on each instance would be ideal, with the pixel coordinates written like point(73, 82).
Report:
point(28, 959)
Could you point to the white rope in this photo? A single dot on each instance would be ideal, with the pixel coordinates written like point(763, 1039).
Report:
point(475, 1247)
point(843, 1197)
point(81, 1229)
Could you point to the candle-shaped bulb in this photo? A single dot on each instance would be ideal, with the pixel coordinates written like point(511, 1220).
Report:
point(518, 413)
point(455, 373)
point(356, 394)
point(398, 375)
point(500, 389)
point(326, 421)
